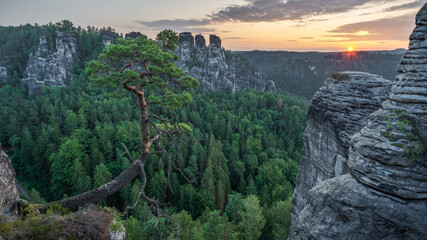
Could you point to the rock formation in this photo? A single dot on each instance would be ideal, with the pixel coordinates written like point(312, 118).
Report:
point(8, 184)
point(51, 67)
point(384, 196)
point(217, 69)
point(109, 37)
point(3, 74)
point(338, 110)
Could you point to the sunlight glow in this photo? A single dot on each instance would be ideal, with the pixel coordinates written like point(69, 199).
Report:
point(350, 49)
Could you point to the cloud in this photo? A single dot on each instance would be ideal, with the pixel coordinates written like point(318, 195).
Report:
point(415, 4)
point(233, 38)
point(176, 23)
point(279, 10)
point(394, 28)
point(265, 11)
point(305, 38)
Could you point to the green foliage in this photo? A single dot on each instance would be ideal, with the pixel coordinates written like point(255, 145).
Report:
point(303, 73)
point(57, 223)
point(143, 64)
point(35, 196)
point(402, 132)
point(278, 220)
point(252, 218)
point(216, 227)
point(167, 39)
point(68, 140)
point(101, 175)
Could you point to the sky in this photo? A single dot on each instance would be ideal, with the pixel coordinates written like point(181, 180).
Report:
point(292, 25)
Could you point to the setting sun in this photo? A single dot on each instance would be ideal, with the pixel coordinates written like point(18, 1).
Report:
point(350, 49)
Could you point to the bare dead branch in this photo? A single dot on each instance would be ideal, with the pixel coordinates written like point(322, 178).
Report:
point(128, 153)
point(157, 117)
point(124, 67)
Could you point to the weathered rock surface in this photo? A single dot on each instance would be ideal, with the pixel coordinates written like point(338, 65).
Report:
point(215, 69)
point(8, 184)
point(390, 154)
point(342, 208)
point(50, 67)
point(385, 194)
point(338, 110)
point(3, 74)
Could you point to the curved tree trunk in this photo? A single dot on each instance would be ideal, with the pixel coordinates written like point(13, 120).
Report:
point(97, 194)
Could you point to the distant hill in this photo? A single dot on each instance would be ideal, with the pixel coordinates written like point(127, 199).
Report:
point(302, 73)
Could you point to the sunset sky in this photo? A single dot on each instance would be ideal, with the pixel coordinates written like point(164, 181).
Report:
point(296, 25)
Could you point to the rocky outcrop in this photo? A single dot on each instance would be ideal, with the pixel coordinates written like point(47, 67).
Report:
point(338, 110)
point(385, 194)
point(48, 67)
point(3, 74)
point(109, 37)
point(342, 208)
point(217, 69)
point(8, 185)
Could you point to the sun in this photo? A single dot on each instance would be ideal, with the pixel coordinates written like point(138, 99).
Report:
point(350, 49)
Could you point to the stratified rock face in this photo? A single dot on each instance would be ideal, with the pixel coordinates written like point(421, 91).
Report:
point(342, 208)
point(215, 69)
point(8, 184)
point(338, 110)
point(390, 154)
point(46, 67)
point(385, 194)
point(3, 74)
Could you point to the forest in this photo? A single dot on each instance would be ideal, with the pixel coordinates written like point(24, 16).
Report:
point(303, 73)
point(239, 154)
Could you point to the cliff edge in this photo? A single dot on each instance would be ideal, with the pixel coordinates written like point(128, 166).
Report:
point(384, 195)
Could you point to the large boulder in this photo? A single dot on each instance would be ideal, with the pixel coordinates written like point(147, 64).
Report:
point(9, 193)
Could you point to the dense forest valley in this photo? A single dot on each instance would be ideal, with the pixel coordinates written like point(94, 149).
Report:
point(240, 153)
point(303, 73)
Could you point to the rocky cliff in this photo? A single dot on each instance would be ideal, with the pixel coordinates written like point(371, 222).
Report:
point(216, 69)
point(8, 184)
point(47, 67)
point(384, 196)
point(338, 110)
